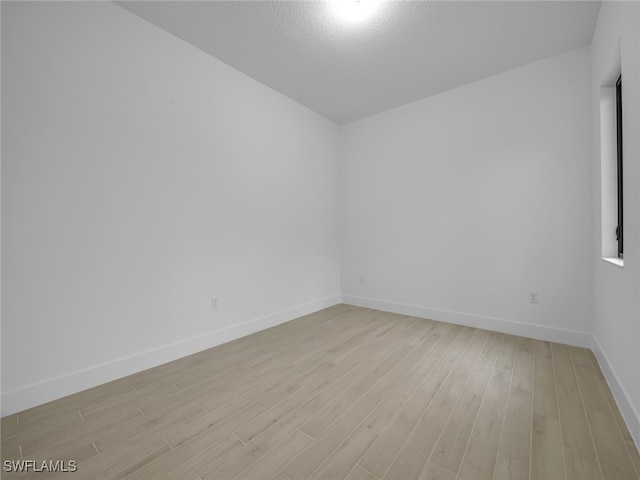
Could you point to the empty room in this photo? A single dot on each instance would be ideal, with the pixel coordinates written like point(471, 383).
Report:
point(347, 239)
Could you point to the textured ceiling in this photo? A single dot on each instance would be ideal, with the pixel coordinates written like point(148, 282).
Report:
point(408, 51)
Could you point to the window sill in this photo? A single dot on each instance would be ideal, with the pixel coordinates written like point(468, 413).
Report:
point(618, 262)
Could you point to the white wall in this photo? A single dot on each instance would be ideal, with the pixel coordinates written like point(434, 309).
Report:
point(141, 177)
point(457, 206)
point(617, 290)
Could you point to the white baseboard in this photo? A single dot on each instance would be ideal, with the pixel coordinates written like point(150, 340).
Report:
point(51, 389)
point(539, 332)
point(629, 413)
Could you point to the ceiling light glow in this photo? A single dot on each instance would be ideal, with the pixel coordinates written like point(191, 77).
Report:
point(354, 11)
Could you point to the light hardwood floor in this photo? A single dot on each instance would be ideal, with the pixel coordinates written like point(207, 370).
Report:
point(343, 393)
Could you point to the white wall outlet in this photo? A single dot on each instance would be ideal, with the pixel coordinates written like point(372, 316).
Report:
point(533, 297)
point(214, 303)
point(362, 278)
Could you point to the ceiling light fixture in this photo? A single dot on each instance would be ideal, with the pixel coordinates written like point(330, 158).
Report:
point(354, 11)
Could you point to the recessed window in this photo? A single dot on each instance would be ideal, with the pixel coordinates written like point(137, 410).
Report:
point(619, 228)
point(611, 165)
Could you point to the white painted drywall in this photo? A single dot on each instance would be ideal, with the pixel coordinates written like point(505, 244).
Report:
point(140, 178)
point(459, 205)
point(616, 324)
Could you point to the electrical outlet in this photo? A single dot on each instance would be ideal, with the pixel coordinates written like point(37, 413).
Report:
point(214, 303)
point(362, 278)
point(533, 297)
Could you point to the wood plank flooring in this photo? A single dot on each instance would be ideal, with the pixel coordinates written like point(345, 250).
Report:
point(347, 393)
